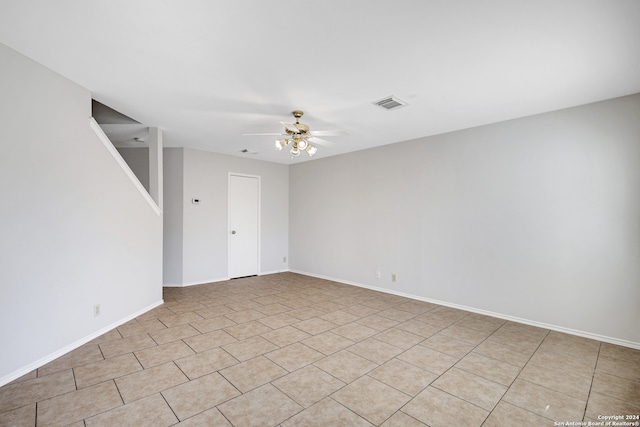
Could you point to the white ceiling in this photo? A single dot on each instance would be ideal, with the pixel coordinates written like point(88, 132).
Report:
point(209, 71)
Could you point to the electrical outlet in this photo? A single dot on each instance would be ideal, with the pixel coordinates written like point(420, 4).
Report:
point(284, 259)
point(96, 310)
point(393, 277)
point(377, 274)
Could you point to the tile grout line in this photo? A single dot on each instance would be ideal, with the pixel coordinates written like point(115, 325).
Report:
point(170, 407)
point(593, 376)
point(118, 390)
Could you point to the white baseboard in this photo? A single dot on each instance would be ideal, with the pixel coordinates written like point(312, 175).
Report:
point(569, 331)
point(222, 279)
point(199, 282)
point(265, 273)
point(43, 361)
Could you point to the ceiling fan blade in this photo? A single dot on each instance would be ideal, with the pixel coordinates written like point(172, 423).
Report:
point(290, 127)
point(270, 134)
point(320, 141)
point(329, 133)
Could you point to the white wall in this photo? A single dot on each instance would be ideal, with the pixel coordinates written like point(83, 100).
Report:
point(75, 231)
point(204, 226)
point(172, 216)
point(536, 218)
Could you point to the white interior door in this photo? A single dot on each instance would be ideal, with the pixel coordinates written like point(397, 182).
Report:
point(244, 225)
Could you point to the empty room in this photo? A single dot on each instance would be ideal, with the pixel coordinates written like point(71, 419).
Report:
point(298, 213)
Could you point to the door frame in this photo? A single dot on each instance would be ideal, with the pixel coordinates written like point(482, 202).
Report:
point(244, 175)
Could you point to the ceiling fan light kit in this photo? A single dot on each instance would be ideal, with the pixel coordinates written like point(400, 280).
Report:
point(298, 144)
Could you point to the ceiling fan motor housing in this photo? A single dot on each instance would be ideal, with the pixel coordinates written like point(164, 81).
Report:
point(302, 128)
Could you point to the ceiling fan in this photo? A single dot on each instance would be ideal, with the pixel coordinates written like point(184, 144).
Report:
point(300, 136)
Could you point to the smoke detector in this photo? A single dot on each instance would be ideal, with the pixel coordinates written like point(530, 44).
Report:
point(390, 103)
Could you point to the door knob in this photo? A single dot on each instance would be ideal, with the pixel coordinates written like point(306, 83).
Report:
point(233, 231)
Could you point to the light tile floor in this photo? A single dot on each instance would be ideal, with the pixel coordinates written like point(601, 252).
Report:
point(290, 350)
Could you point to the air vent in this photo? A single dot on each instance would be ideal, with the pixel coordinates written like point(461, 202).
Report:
point(245, 151)
point(390, 103)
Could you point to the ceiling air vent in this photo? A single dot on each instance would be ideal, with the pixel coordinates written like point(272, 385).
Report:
point(390, 103)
